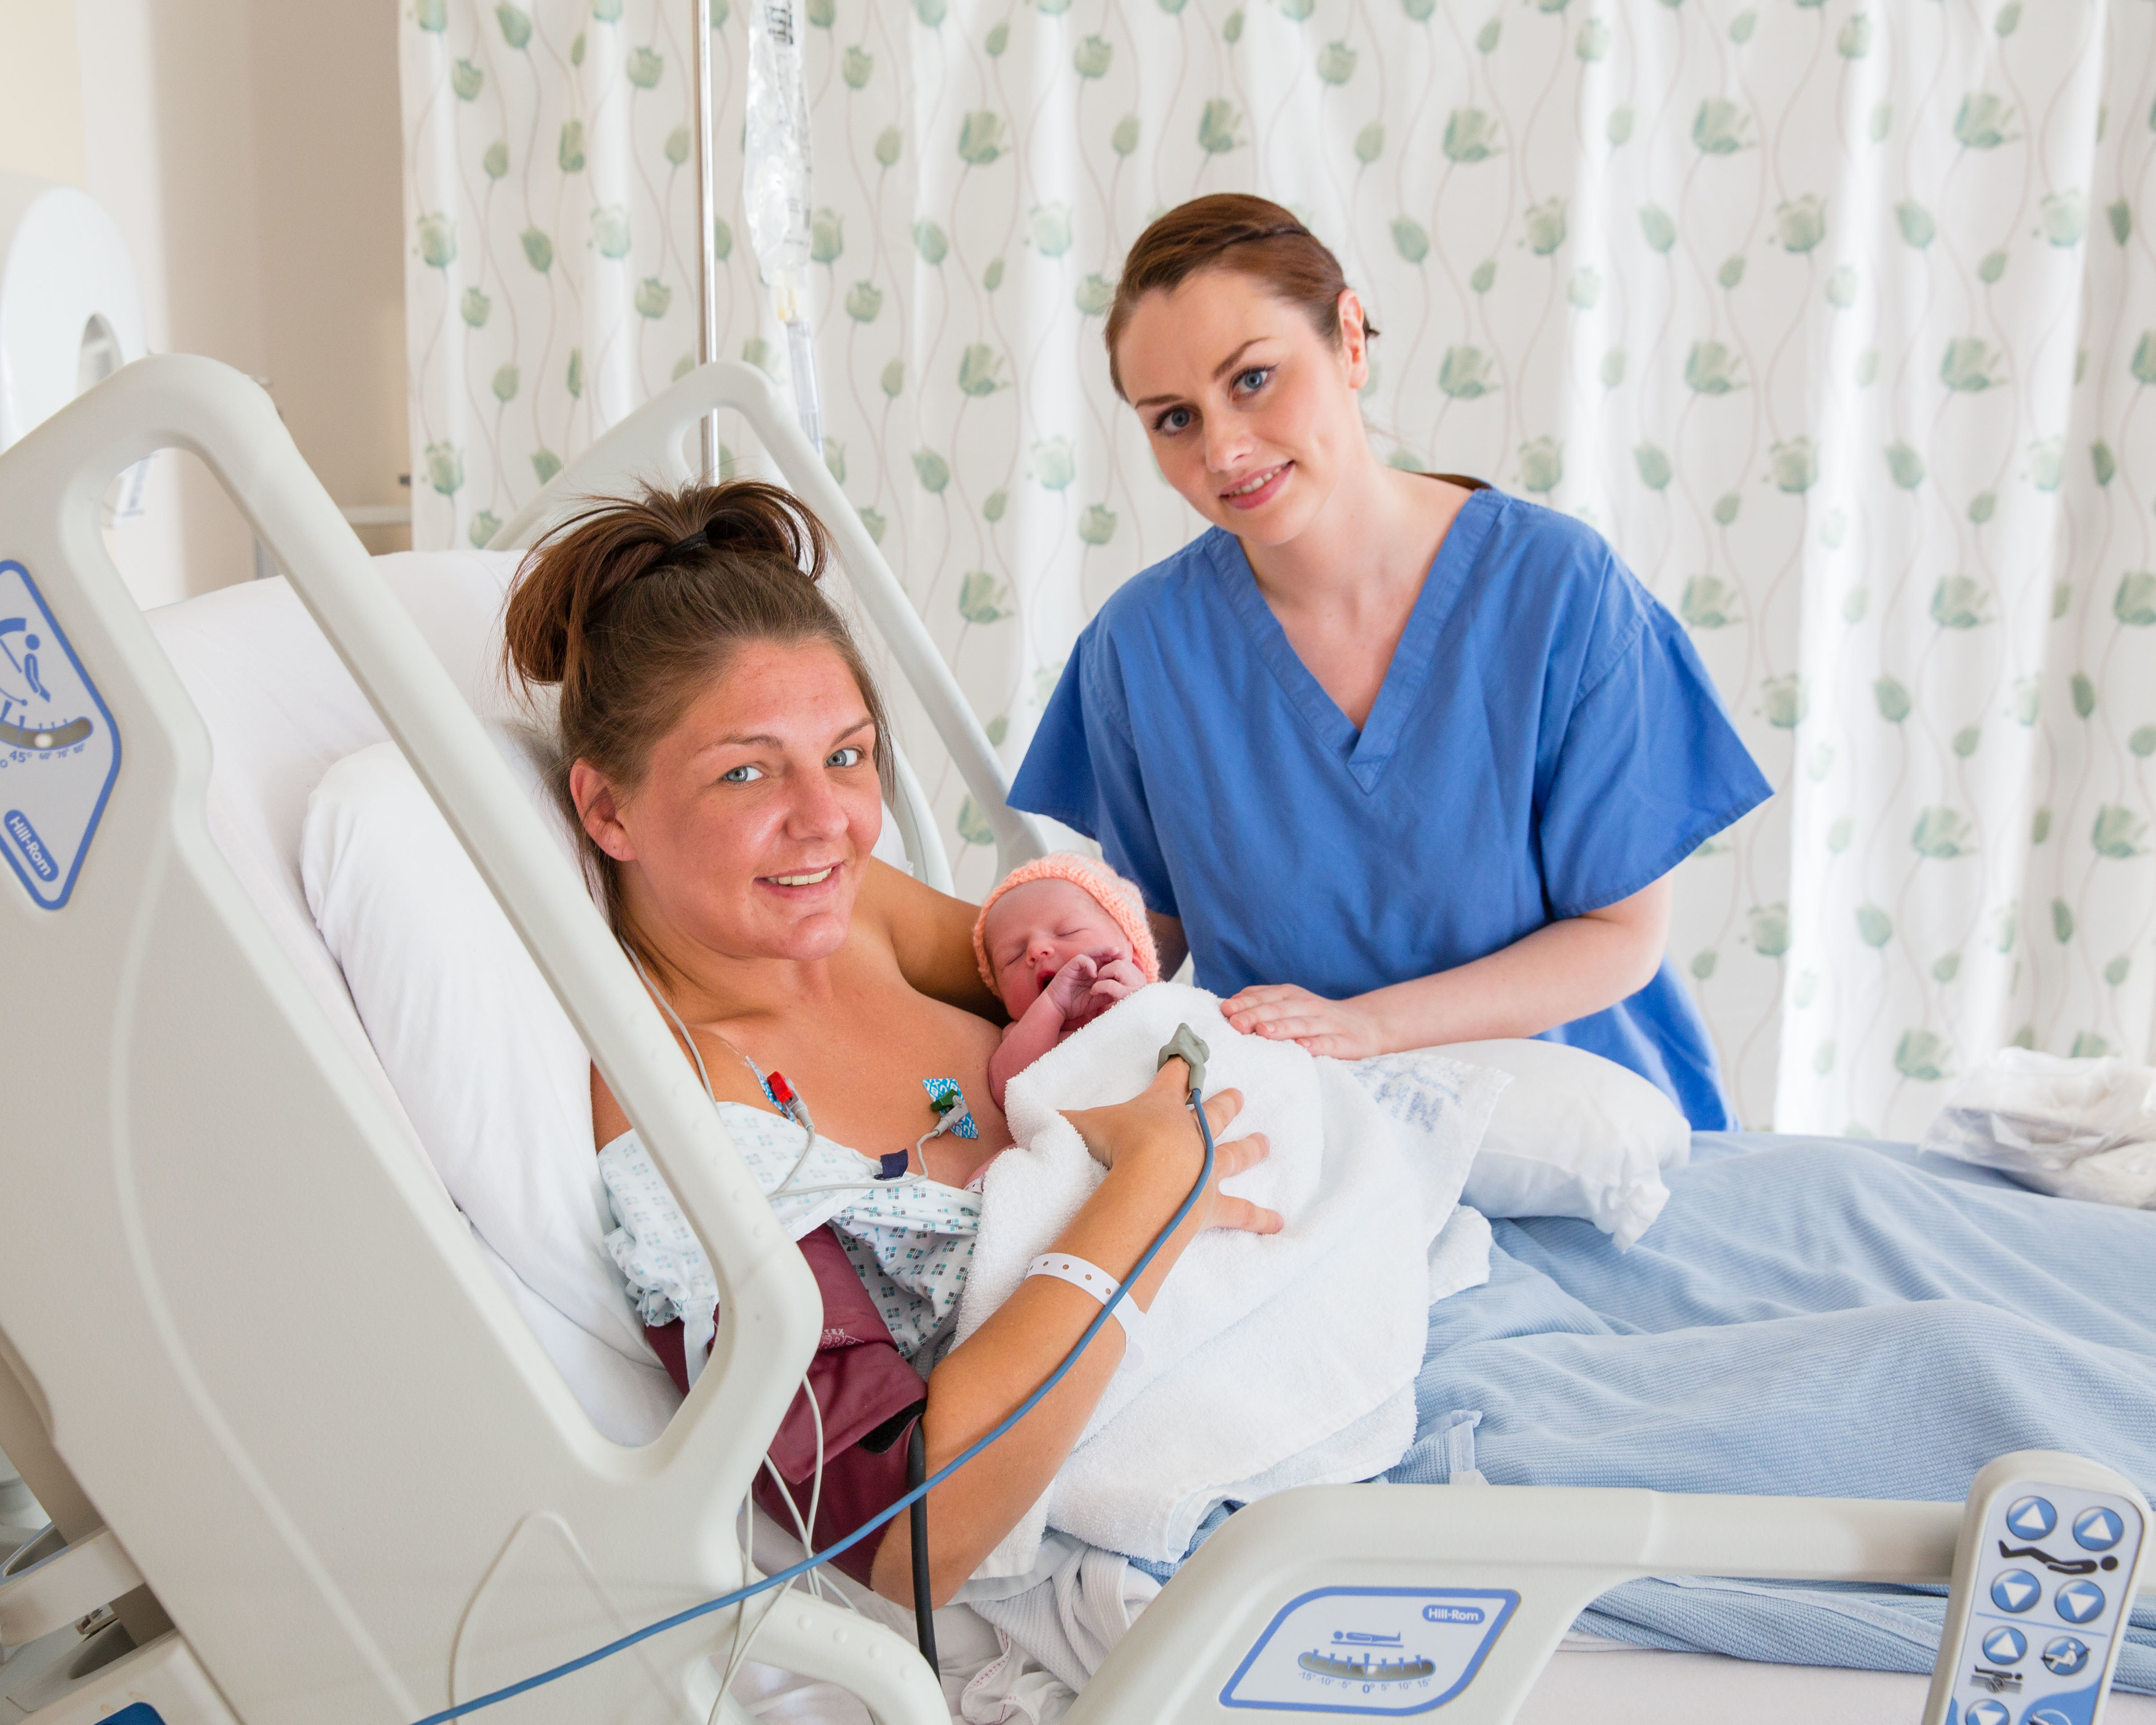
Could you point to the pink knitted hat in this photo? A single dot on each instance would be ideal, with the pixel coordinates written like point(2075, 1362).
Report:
point(1102, 883)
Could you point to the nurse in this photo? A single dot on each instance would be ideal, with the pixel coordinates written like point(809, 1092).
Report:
point(1400, 761)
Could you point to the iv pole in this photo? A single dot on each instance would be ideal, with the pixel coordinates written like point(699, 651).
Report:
point(707, 215)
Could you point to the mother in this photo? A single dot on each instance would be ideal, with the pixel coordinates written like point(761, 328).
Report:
point(723, 751)
point(1403, 760)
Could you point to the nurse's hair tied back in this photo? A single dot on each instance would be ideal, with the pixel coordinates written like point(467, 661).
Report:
point(1231, 230)
point(633, 608)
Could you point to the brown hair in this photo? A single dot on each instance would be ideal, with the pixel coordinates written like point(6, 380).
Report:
point(635, 606)
point(1231, 230)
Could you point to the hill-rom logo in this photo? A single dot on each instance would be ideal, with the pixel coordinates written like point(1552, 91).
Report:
point(32, 848)
point(59, 751)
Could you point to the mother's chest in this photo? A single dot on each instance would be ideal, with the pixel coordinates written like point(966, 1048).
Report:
point(865, 1074)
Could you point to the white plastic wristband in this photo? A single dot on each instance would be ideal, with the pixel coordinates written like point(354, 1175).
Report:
point(1093, 1279)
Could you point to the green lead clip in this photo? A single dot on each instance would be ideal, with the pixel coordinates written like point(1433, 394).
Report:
point(1188, 1047)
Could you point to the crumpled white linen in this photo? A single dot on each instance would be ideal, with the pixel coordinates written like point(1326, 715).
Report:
point(1055, 1628)
point(1269, 1360)
point(2076, 1128)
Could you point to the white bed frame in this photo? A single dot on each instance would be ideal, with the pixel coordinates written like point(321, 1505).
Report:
point(290, 1427)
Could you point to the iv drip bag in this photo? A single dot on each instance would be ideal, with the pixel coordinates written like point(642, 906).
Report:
point(775, 187)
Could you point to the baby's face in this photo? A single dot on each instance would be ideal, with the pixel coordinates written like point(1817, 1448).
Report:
point(1034, 930)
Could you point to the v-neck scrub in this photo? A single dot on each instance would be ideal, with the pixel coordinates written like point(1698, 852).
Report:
point(1545, 742)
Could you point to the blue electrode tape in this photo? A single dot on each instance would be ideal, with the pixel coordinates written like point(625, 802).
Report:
point(945, 1096)
point(1184, 1046)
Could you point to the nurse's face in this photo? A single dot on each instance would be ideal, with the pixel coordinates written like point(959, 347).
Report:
point(1251, 411)
point(748, 833)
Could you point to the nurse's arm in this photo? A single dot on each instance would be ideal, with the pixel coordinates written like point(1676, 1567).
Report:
point(1564, 970)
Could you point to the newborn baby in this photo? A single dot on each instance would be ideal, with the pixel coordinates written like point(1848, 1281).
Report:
point(1059, 941)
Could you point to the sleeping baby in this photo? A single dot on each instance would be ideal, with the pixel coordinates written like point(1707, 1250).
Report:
point(1061, 941)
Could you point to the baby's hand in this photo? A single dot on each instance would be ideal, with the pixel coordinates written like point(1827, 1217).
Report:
point(1114, 977)
point(1117, 976)
point(1072, 983)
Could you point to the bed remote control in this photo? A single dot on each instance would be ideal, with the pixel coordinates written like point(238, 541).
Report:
point(2044, 1579)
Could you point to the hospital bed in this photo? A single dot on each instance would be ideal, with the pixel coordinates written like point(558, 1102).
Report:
point(309, 1451)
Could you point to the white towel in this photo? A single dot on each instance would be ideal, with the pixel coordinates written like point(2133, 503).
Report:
point(2076, 1128)
point(1269, 1361)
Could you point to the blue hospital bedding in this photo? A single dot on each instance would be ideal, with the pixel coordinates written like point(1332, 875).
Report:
point(1809, 1318)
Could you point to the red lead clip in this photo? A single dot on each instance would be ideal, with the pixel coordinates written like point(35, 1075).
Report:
point(782, 1092)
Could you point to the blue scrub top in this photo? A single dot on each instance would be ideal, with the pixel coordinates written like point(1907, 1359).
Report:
point(1545, 742)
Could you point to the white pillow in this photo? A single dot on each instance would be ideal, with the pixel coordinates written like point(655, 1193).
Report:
point(496, 1080)
point(1575, 1135)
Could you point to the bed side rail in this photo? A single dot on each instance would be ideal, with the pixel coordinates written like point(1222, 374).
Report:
point(647, 448)
point(1392, 1602)
point(289, 1322)
point(229, 421)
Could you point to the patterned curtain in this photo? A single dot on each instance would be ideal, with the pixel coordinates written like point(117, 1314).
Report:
point(550, 285)
point(1837, 318)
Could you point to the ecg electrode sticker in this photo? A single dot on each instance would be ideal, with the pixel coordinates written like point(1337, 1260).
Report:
point(59, 751)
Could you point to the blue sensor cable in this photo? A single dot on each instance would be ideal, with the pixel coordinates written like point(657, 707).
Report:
point(742, 1595)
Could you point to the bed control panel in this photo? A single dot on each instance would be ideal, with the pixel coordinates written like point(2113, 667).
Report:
point(2044, 1573)
point(1382, 1652)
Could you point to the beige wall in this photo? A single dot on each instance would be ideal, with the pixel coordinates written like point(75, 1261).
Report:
point(40, 92)
point(329, 187)
point(252, 154)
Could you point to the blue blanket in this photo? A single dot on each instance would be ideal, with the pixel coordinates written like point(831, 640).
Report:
point(1809, 1318)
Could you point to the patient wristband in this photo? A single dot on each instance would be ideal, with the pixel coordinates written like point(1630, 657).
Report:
point(1092, 1279)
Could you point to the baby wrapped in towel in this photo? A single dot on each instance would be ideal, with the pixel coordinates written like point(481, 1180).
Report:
point(1268, 1361)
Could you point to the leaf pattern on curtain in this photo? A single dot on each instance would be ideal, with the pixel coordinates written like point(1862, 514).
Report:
point(550, 285)
point(1834, 315)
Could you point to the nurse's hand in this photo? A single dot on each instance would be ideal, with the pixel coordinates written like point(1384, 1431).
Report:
point(1284, 1013)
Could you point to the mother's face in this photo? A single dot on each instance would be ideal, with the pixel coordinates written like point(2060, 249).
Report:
point(754, 823)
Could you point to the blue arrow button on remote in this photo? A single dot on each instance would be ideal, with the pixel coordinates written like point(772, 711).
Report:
point(2031, 1517)
point(2005, 1647)
point(2099, 1529)
point(2017, 1590)
point(1987, 1713)
point(2079, 1601)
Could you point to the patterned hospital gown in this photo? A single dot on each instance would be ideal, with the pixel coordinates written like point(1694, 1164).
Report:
point(910, 1242)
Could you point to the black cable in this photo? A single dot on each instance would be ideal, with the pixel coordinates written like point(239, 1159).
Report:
point(924, 1601)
